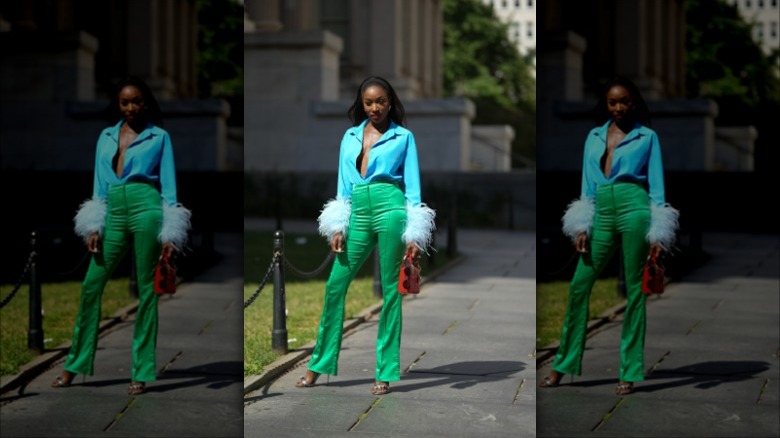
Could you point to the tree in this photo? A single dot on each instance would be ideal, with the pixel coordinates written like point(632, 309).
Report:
point(725, 64)
point(221, 53)
point(482, 64)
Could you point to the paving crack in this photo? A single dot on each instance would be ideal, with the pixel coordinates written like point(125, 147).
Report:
point(121, 413)
point(206, 327)
point(452, 326)
point(473, 305)
point(519, 388)
point(409, 368)
point(695, 326)
point(609, 414)
point(365, 414)
point(715, 307)
point(763, 390)
point(658, 362)
point(170, 362)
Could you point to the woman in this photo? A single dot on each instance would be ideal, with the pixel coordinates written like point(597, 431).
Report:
point(133, 202)
point(377, 202)
point(622, 200)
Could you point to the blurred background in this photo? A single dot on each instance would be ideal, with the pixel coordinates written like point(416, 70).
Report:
point(464, 70)
point(710, 73)
point(59, 61)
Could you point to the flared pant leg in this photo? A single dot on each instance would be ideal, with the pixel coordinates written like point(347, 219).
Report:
point(378, 218)
point(134, 214)
point(622, 210)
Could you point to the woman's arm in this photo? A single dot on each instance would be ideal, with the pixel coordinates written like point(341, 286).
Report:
point(90, 218)
point(420, 223)
point(176, 218)
point(578, 218)
point(334, 216)
point(663, 217)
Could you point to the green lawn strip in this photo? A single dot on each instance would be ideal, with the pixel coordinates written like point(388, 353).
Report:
point(304, 298)
point(60, 302)
point(552, 299)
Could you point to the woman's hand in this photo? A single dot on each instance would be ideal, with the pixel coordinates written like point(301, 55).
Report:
point(337, 242)
point(93, 243)
point(415, 250)
point(581, 242)
point(656, 249)
point(168, 249)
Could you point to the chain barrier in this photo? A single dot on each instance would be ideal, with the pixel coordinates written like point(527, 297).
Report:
point(18, 284)
point(252, 299)
point(313, 273)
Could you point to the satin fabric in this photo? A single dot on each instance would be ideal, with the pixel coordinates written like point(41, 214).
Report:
point(622, 210)
point(134, 216)
point(378, 219)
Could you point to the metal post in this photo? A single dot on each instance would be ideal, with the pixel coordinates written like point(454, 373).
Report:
point(452, 225)
point(35, 333)
point(377, 275)
point(279, 334)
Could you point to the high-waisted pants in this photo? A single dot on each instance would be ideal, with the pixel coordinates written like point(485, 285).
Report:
point(134, 215)
point(378, 218)
point(622, 210)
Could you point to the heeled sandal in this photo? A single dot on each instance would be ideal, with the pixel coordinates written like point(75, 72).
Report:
point(624, 388)
point(548, 382)
point(303, 383)
point(136, 388)
point(61, 382)
point(381, 389)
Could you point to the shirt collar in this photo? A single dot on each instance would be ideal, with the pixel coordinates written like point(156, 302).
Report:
point(357, 131)
point(148, 131)
point(636, 131)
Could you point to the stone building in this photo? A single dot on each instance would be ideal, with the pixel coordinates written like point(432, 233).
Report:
point(304, 61)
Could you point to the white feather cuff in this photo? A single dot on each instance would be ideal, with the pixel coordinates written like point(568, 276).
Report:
point(579, 217)
point(91, 217)
point(663, 225)
point(420, 225)
point(334, 217)
point(175, 225)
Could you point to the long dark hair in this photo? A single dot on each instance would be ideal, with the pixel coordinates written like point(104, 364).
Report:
point(152, 113)
point(396, 113)
point(640, 112)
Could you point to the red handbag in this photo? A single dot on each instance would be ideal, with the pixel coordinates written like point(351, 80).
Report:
point(165, 276)
point(409, 277)
point(653, 276)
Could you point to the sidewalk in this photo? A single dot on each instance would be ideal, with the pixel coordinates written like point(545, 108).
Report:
point(711, 356)
point(198, 390)
point(467, 358)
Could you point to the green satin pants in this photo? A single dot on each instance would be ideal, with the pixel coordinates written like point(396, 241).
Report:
point(622, 210)
point(378, 219)
point(134, 214)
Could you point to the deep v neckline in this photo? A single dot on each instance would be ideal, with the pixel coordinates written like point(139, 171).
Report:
point(365, 152)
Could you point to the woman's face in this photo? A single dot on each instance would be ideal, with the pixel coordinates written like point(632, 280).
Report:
point(376, 104)
point(131, 103)
point(619, 103)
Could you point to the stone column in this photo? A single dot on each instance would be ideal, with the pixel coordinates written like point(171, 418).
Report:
point(264, 15)
point(300, 15)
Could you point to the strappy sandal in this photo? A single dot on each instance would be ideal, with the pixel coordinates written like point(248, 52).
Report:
point(303, 383)
point(136, 388)
point(548, 382)
point(624, 388)
point(62, 382)
point(381, 389)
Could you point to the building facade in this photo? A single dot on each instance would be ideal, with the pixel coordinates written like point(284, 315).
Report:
point(764, 15)
point(520, 15)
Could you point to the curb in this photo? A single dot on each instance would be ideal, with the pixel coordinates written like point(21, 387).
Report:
point(41, 363)
point(291, 359)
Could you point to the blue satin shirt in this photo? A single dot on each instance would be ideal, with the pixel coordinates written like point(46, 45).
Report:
point(636, 159)
point(149, 158)
point(392, 157)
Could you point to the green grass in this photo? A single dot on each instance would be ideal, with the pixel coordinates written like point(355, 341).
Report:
point(304, 298)
point(552, 299)
point(60, 302)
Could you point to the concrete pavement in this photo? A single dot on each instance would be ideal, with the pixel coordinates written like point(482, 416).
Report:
point(199, 361)
point(467, 355)
point(711, 356)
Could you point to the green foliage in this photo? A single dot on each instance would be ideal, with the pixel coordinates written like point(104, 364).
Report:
point(220, 48)
point(482, 64)
point(724, 62)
